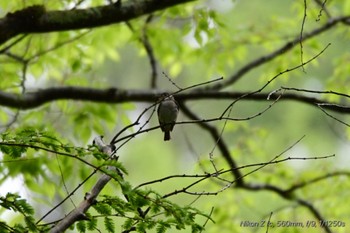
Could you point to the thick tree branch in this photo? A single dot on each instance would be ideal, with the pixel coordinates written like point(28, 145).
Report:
point(36, 19)
point(114, 95)
point(79, 212)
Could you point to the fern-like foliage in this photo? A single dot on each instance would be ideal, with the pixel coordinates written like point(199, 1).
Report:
point(14, 203)
point(129, 208)
point(141, 211)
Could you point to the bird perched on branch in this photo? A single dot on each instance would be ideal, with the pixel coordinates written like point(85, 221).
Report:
point(168, 110)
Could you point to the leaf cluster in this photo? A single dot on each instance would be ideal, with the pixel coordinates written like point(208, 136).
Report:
point(15, 203)
point(140, 211)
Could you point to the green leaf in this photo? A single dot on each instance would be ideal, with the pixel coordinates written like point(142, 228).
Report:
point(13, 151)
point(128, 224)
point(92, 224)
point(162, 227)
point(81, 226)
point(109, 224)
point(117, 204)
point(30, 222)
point(116, 164)
point(102, 208)
point(195, 228)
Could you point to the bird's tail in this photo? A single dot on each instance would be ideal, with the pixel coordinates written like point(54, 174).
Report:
point(166, 135)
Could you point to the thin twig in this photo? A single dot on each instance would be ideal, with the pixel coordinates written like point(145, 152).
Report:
point(317, 179)
point(63, 180)
point(208, 218)
point(244, 186)
point(171, 81)
point(315, 91)
point(275, 77)
point(49, 150)
point(333, 117)
point(268, 223)
point(301, 36)
point(323, 9)
point(19, 39)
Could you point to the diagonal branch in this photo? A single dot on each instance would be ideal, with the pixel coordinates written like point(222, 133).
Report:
point(78, 213)
point(268, 57)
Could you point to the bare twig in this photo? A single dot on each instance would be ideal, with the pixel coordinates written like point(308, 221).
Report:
point(301, 36)
point(317, 179)
point(49, 150)
point(247, 186)
point(171, 81)
point(114, 141)
point(19, 39)
point(215, 174)
point(268, 223)
point(323, 9)
point(266, 58)
point(68, 196)
point(12, 121)
point(63, 180)
point(333, 117)
point(275, 77)
point(59, 45)
point(77, 4)
point(208, 218)
point(172, 177)
point(315, 91)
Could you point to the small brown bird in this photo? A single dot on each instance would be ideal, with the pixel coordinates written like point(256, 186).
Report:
point(168, 110)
